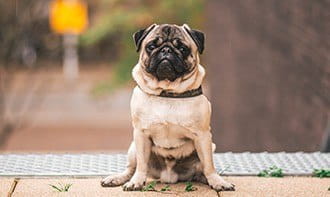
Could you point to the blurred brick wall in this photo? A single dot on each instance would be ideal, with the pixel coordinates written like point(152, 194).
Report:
point(268, 64)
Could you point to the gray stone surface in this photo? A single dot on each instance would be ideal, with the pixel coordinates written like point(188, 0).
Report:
point(100, 164)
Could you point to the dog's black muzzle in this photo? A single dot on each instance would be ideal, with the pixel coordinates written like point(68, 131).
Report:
point(166, 64)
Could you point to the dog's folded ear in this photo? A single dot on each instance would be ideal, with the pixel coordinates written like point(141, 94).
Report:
point(140, 35)
point(197, 36)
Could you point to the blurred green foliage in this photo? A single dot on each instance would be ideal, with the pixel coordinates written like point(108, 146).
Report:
point(119, 19)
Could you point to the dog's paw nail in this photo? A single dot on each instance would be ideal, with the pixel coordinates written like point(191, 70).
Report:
point(104, 183)
point(221, 187)
point(114, 180)
point(132, 186)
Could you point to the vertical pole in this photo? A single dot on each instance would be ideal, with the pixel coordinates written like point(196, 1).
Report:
point(70, 61)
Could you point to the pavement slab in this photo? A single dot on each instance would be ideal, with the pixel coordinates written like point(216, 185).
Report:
point(287, 186)
point(5, 186)
point(92, 187)
point(245, 186)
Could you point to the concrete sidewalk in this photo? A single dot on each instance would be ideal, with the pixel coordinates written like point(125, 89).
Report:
point(49, 112)
point(245, 186)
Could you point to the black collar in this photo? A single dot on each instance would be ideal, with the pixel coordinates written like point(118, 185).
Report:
point(186, 94)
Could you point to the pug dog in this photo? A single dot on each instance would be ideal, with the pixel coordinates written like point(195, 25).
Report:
point(172, 138)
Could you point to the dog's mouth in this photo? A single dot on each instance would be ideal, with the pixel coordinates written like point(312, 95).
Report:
point(167, 68)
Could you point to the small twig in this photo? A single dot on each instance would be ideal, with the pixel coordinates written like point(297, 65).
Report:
point(13, 187)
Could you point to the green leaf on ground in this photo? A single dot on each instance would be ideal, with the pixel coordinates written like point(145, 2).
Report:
point(273, 171)
point(61, 188)
point(165, 188)
point(149, 187)
point(189, 187)
point(321, 173)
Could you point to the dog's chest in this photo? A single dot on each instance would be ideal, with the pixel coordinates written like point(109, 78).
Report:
point(167, 135)
point(169, 121)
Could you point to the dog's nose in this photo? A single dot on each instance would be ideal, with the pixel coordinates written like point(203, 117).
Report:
point(166, 50)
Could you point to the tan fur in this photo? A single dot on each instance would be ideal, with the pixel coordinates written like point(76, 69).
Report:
point(170, 128)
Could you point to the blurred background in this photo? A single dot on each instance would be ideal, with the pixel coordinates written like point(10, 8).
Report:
point(267, 63)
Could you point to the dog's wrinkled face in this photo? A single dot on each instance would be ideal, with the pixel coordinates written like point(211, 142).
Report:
point(169, 51)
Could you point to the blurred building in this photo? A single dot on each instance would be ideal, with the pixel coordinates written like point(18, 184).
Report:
point(268, 63)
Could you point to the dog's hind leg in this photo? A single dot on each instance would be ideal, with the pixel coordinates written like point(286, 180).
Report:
point(120, 179)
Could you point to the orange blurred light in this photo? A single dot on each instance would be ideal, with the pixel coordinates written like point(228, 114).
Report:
point(68, 16)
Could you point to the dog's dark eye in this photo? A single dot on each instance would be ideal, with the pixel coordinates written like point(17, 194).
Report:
point(151, 47)
point(182, 49)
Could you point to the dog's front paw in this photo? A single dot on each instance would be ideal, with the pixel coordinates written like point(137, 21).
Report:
point(219, 184)
point(114, 180)
point(136, 183)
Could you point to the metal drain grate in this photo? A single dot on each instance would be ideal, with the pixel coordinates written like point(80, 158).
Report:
point(103, 164)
